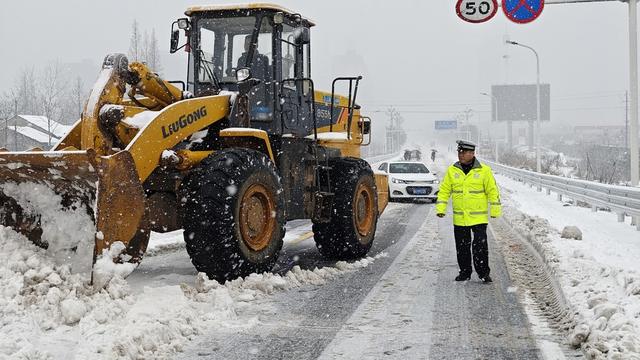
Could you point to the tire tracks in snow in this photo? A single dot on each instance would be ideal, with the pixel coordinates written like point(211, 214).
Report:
point(538, 286)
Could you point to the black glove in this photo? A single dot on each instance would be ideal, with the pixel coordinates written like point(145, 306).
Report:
point(440, 215)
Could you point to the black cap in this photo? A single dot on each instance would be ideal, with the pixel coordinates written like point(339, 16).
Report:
point(466, 145)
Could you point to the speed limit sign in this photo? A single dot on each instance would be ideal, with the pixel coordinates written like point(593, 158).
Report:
point(476, 11)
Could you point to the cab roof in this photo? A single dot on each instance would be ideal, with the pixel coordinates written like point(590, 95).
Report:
point(192, 10)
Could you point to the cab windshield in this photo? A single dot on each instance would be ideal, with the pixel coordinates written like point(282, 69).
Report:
point(224, 44)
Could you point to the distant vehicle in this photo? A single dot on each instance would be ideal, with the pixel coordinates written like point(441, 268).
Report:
point(410, 180)
point(412, 155)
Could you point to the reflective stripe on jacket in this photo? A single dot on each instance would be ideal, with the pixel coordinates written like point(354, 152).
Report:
point(471, 193)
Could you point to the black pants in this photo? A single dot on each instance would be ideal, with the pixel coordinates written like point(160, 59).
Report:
point(480, 249)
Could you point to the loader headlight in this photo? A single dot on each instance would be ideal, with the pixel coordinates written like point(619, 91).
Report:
point(183, 24)
point(398, 181)
point(243, 74)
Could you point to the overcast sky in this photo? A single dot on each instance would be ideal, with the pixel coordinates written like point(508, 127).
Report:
point(416, 55)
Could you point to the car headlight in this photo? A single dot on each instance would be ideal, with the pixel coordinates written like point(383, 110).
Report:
point(398, 181)
point(436, 182)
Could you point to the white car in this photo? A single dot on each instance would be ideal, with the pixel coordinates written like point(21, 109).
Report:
point(410, 180)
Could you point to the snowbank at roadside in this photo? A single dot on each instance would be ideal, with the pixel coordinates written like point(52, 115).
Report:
point(599, 275)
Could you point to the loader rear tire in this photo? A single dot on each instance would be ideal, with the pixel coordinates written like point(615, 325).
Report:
point(349, 234)
point(232, 210)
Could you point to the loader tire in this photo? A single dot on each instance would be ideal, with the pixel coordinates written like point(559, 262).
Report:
point(232, 210)
point(350, 232)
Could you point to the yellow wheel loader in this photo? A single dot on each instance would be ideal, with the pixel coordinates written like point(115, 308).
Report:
point(243, 146)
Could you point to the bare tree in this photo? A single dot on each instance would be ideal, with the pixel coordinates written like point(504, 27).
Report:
point(150, 52)
point(50, 94)
point(153, 53)
point(6, 112)
point(145, 47)
point(135, 43)
point(604, 164)
point(12, 100)
point(78, 96)
point(25, 92)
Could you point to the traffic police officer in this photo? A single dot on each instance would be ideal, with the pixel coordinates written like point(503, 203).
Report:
point(472, 187)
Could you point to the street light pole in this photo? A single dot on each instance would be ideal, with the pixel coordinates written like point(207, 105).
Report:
point(494, 101)
point(537, 132)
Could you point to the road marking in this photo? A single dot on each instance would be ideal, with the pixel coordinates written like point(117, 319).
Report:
point(394, 319)
point(301, 238)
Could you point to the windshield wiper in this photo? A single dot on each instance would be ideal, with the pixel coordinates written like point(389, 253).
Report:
point(208, 69)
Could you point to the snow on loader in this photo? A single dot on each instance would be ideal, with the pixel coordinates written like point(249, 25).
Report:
point(244, 146)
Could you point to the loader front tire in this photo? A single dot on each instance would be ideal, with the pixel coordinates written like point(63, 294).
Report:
point(349, 234)
point(232, 210)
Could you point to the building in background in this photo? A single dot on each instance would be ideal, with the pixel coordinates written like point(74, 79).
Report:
point(24, 132)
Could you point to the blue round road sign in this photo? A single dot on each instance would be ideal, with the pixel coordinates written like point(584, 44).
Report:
point(522, 11)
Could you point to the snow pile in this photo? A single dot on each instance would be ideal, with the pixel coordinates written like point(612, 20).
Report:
point(256, 286)
point(57, 223)
point(38, 296)
point(571, 232)
point(105, 268)
point(48, 312)
point(604, 293)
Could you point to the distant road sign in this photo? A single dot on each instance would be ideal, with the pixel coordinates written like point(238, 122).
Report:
point(522, 11)
point(476, 11)
point(446, 124)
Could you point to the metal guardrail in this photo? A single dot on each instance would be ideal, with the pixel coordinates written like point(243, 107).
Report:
point(622, 200)
point(381, 158)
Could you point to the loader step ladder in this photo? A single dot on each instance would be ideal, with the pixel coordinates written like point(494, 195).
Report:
point(351, 100)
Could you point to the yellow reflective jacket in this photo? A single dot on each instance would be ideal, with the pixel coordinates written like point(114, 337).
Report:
point(471, 193)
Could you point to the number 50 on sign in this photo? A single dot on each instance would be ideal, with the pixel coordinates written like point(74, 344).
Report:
point(476, 11)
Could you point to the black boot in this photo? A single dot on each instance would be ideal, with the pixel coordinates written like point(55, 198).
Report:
point(463, 277)
point(486, 279)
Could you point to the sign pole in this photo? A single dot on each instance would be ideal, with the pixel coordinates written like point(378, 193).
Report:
point(633, 67)
point(537, 133)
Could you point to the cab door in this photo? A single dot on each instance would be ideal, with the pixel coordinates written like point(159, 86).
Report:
point(295, 92)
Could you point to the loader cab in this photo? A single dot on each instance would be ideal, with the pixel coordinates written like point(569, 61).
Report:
point(268, 41)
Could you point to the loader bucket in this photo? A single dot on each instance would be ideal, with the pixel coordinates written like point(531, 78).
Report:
point(74, 203)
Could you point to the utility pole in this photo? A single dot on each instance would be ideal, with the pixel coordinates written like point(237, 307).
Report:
point(466, 116)
point(626, 119)
point(15, 125)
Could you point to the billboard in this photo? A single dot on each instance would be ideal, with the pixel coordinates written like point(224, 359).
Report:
point(446, 124)
point(518, 102)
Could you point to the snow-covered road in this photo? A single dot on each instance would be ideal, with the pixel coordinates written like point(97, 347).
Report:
point(400, 302)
